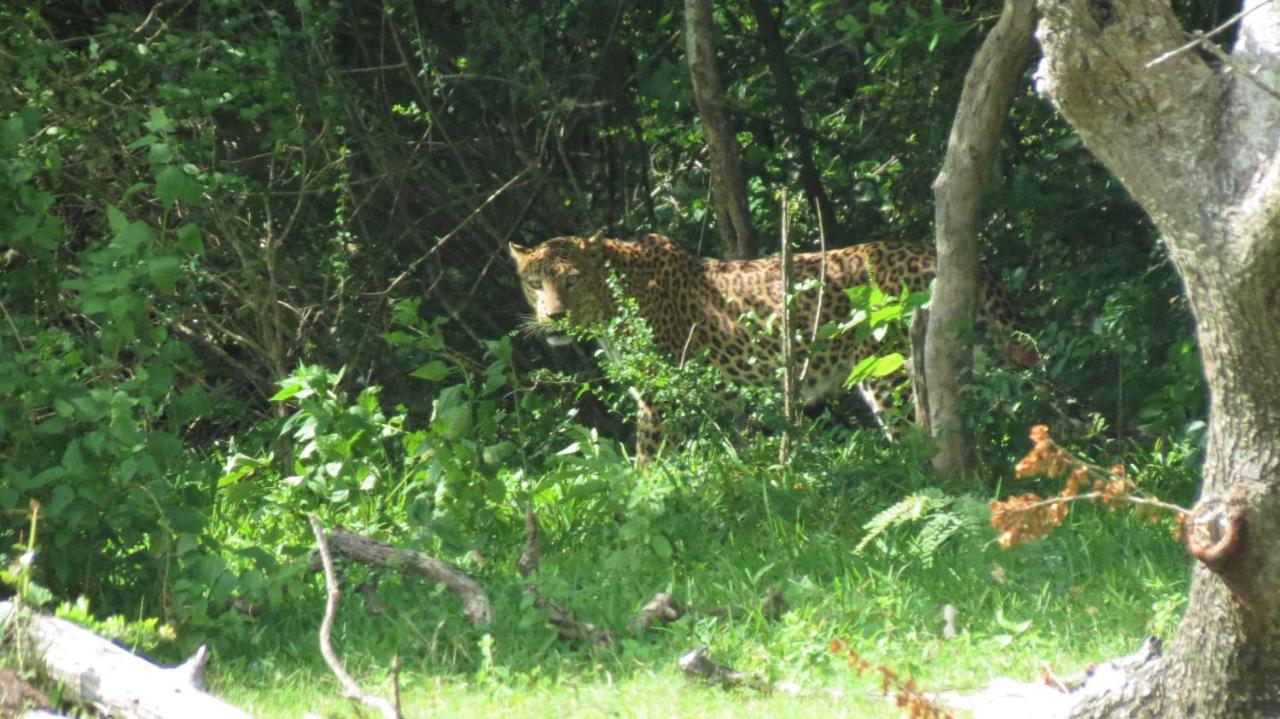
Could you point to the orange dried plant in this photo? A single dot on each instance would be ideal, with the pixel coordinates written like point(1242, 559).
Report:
point(1029, 516)
point(905, 693)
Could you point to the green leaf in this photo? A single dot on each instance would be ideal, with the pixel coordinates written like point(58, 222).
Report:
point(46, 477)
point(164, 272)
point(396, 337)
point(72, 460)
point(133, 190)
point(661, 546)
point(451, 413)
point(888, 364)
point(159, 154)
point(433, 371)
point(495, 453)
point(885, 314)
point(190, 239)
point(119, 307)
point(174, 184)
point(116, 220)
point(130, 236)
point(159, 121)
point(861, 371)
point(290, 389)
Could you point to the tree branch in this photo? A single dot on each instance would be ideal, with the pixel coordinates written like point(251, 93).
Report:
point(350, 688)
point(1093, 70)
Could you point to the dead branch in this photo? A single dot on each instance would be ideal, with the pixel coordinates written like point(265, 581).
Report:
point(476, 608)
point(664, 609)
point(350, 688)
point(697, 664)
point(569, 627)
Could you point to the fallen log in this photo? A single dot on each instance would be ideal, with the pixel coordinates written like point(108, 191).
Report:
point(475, 602)
point(698, 664)
point(99, 673)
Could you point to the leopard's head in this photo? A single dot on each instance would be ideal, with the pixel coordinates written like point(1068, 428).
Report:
point(563, 279)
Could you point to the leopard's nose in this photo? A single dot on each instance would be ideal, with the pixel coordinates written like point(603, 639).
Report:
point(556, 314)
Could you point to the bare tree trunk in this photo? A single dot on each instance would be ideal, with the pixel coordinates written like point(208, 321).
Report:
point(728, 184)
point(1196, 144)
point(776, 54)
point(989, 87)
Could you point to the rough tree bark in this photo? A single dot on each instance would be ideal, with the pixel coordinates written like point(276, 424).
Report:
point(728, 184)
point(1197, 143)
point(775, 53)
point(989, 87)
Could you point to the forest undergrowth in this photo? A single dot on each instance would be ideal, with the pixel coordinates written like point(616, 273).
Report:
point(716, 532)
point(252, 267)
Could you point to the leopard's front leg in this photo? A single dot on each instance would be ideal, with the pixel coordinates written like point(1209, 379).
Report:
point(648, 429)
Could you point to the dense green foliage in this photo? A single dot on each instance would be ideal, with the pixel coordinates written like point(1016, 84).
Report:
point(252, 265)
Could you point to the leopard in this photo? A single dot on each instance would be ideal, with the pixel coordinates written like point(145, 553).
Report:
point(704, 307)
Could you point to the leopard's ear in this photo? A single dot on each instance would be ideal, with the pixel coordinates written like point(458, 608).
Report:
point(517, 252)
point(595, 242)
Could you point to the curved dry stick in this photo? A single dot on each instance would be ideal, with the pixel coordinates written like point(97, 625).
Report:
point(475, 602)
point(349, 687)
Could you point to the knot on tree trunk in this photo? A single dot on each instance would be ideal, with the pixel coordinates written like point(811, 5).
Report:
point(1215, 532)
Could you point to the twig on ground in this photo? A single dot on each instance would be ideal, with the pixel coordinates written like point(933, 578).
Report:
point(664, 609)
point(395, 684)
point(697, 664)
point(566, 625)
point(350, 688)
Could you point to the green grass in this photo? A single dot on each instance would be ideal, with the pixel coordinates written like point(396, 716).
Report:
point(1091, 590)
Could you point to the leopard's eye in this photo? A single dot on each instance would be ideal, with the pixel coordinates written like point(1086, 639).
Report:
point(570, 281)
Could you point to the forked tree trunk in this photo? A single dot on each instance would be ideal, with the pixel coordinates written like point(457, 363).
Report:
point(989, 87)
point(728, 184)
point(1198, 145)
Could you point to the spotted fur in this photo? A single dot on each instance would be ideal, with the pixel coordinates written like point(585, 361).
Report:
point(694, 304)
